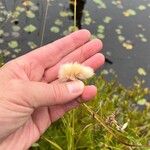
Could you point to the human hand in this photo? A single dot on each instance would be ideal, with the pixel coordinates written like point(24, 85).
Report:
point(31, 97)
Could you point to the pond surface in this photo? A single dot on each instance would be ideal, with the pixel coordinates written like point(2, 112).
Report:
point(123, 26)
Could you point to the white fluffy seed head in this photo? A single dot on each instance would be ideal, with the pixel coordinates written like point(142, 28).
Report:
point(74, 71)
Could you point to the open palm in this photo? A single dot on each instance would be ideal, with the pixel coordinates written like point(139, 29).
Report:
point(31, 97)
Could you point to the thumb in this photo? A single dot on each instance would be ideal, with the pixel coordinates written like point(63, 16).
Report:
point(43, 94)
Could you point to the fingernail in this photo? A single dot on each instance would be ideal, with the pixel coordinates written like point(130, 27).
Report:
point(75, 86)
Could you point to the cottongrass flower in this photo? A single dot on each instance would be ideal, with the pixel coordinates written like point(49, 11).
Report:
point(74, 71)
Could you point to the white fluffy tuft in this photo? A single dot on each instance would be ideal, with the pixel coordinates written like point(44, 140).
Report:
point(74, 71)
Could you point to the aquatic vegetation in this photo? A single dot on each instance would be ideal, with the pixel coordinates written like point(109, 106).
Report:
point(55, 29)
point(129, 12)
point(142, 72)
point(30, 28)
point(100, 3)
point(13, 44)
point(101, 32)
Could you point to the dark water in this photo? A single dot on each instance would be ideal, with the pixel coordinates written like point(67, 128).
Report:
point(128, 20)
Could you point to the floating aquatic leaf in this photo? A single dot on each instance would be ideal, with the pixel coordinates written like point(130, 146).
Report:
point(16, 28)
point(118, 3)
point(127, 45)
point(107, 19)
point(15, 34)
point(16, 14)
point(6, 34)
point(1, 32)
point(17, 50)
point(101, 27)
point(32, 45)
point(129, 12)
point(86, 13)
point(58, 22)
point(72, 29)
point(2, 19)
point(13, 56)
point(100, 3)
point(13, 44)
point(6, 52)
point(118, 31)
point(30, 28)
point(34, 8)
point(66, 32)
point(142, 72)
point(21, 9)
point(30, 14)
point(65, 13)
point(1, 41)
point(101, 36)
point(87, 21)
point(28, 3)
point(141, 35)
point(54, 29)
point(121, 38)
point(142, 7)
point(104, 72)
point(144, 39)
point(100, 32)
point(108, 53)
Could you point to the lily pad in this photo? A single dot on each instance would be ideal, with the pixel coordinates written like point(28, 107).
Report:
point(107, 19)
point(30, 14)
point(58, 22)
point(142, 72)
point(15, 28)
point(100, 3)
point(1, 32)
point(13, 44)
point(54, 29)
point(30, 28)
point(32, 45)
point(21, 9)
point(142, 7)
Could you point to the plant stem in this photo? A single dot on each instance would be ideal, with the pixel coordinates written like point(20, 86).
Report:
point(75, 14)
point(109, 129)
point(44, 23)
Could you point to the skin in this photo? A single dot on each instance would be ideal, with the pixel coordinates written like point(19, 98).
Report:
point(31, 96)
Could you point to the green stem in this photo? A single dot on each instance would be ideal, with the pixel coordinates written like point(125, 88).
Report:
point(121, 138)
point(75, 14)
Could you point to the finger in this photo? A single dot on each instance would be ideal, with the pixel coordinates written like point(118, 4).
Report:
point(50, 114)
point(42, 94)
point(50, 54)
point(58, 111)
point(80, 55)
point(89, 92)
point(95, 62)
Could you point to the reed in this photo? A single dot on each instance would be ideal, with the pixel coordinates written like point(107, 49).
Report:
point(44, 22)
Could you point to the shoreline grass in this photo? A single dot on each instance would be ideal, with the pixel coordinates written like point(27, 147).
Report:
point(87, 133)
